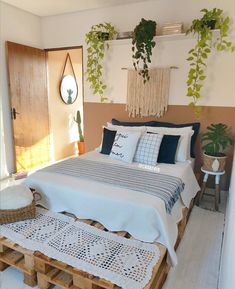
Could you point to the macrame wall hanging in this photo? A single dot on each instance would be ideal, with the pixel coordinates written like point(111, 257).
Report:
point(150, 98)
point(68, 83)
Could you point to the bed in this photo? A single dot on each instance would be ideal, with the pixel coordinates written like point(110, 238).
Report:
point(144, 216)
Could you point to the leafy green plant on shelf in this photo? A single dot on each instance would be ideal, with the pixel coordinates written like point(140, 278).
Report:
point(206, 42)
point(96, 39)
point(142, 45)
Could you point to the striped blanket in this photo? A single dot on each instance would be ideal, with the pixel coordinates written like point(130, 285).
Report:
point(165, 187)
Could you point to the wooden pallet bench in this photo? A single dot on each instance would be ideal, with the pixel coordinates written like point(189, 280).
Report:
point(22, 259)
point(52, 272)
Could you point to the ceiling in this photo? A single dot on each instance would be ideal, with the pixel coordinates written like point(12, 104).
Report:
point(55, 7)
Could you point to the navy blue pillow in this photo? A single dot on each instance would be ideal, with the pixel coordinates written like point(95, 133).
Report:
point(195, 126)
point(108, 139)
point(126, 123)
point(168, 149)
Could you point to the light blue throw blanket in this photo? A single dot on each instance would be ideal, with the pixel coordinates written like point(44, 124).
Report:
point(168, 188)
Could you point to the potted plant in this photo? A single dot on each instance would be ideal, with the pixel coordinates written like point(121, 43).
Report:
point(96, 39)
point(215, 141)
point(142, 45)
point(206, 42)
point(80, 143)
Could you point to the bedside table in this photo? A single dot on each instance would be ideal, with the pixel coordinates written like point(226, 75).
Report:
point(217, 176)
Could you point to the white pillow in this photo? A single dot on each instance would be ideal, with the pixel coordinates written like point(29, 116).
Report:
point(15, 197)
point(183, 148)
point(124, 145)
point(148, 149)
point(111, 126)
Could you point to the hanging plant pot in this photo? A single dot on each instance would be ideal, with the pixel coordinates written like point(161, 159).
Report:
point(210, 24)
point(96, 48)
point(103, 36)
point(142, 45)
point(206, 43)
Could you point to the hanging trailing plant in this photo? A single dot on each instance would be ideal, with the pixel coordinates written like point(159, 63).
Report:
point(142, 45)
point(206, 42)
point(96, 41)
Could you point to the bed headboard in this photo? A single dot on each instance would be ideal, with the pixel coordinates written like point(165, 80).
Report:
point(96, 115)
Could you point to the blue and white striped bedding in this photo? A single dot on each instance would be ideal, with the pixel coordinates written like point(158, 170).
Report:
point(165, 187)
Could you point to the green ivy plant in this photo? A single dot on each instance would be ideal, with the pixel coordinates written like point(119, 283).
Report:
point(206, 42)
point(216, 139)
point(142, 45)
point(97, 44)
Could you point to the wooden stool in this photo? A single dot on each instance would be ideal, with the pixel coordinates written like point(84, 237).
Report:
point(217, 186)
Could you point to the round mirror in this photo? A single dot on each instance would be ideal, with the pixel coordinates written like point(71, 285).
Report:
point(68, 89)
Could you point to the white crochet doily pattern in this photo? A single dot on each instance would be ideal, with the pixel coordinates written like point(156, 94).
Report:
point(35, 232)
point(127, 263)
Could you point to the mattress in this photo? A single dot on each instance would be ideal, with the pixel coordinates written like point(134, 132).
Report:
point(118, 209)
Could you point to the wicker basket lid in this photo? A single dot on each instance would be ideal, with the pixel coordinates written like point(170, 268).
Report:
point(15, 197)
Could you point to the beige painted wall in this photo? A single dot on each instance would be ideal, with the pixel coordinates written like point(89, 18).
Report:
point(63, 129)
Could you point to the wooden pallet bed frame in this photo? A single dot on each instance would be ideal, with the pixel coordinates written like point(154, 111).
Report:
point(22, 259)
point(51, 272)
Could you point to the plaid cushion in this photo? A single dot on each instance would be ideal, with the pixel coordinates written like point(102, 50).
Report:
point(148, 149)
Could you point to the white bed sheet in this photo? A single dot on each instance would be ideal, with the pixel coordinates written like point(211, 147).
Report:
point(142, 215)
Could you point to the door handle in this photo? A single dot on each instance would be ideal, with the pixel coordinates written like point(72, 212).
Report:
point(14, 113)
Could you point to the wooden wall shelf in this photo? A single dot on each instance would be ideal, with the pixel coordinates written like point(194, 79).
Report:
point(157, 38)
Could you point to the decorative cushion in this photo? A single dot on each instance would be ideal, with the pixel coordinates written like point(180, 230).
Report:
point(15, 197)
point(148, 149)
point(107, 142)
point(124, 145)
point(168, 149)
point(195, 127)
point(183, 148)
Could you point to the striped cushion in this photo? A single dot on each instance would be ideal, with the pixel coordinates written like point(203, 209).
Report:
point(148, 149)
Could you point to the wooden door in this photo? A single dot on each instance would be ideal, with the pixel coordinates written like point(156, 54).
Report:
point(29, 105)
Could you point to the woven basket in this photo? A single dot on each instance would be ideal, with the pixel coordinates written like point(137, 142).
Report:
point(21, 214)
point(214, 164)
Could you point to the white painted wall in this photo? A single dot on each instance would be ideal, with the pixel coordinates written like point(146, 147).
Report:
point(70, 29)
point(21, 27)
point(227, 274)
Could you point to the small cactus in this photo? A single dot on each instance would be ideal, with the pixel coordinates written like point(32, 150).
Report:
point(70, 92)
point(78, 121)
